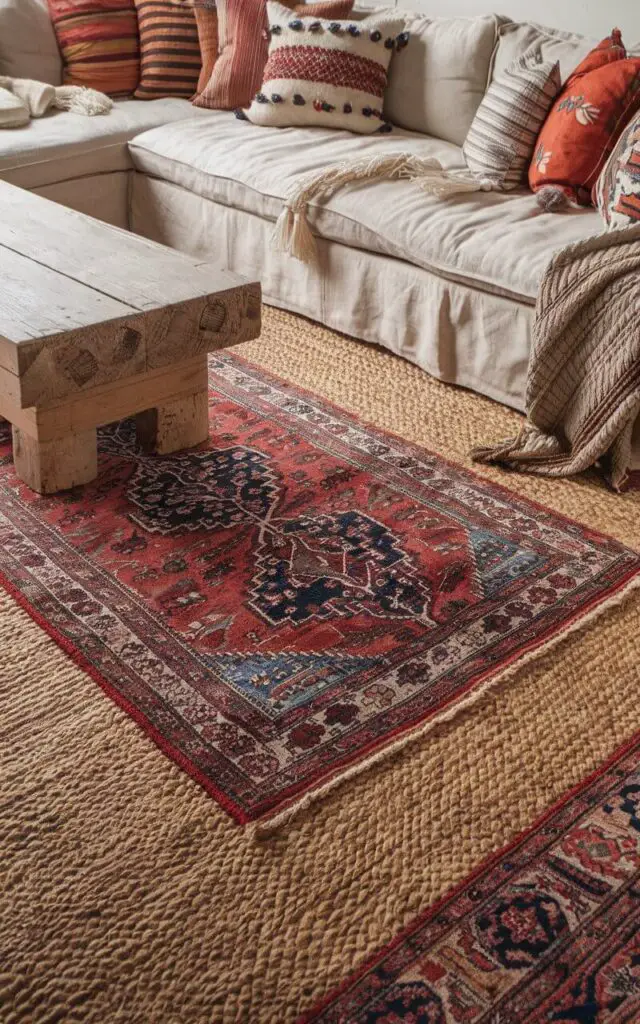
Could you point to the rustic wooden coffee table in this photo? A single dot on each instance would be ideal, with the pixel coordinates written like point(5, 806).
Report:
point(97, 324)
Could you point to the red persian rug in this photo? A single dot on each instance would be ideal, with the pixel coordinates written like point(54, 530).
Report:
point(548, 930)
point(299, 596)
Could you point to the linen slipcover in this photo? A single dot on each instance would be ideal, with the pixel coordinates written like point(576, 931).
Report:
point(499, 243)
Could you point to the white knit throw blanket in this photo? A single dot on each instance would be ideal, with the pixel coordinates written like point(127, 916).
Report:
point(21, 99)
point(293, 234)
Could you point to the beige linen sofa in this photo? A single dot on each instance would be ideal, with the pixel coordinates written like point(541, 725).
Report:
point(449, 284)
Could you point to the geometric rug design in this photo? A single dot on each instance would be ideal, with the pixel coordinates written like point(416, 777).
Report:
point(298, 596)
point(547, 930)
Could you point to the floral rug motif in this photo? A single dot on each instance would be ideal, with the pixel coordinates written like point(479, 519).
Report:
point(548, 930)
point(298, 596)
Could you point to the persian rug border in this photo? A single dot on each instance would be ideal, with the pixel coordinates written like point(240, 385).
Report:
point(118, 698)
point(618, 755)
point(468, 469)
point(475, 691)
point(271, 823)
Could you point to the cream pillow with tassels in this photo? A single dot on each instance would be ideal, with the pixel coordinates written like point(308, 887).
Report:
point(326, 73)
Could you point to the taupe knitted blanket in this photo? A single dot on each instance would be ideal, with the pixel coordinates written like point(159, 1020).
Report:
point(583, 383)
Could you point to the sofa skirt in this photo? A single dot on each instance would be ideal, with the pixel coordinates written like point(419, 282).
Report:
point(104, 196)
point(456, 332)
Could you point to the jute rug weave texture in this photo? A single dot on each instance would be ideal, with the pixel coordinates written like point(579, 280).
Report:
point(130, 896)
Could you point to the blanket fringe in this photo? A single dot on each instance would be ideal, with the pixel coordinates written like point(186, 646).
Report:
point(293, 234)
point(38, 97)
point(80, 100)
point(271, 826)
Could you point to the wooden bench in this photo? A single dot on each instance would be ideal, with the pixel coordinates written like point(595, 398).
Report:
point(97, 324)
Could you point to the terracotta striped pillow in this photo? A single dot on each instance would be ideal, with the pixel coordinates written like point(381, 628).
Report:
point(207, 22)
point(170, 60)
point(98, 41)
point(244, 48)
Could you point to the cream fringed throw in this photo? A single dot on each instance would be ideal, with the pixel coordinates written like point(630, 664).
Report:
point(293, 234)
point(21, 99)
point(583, 386)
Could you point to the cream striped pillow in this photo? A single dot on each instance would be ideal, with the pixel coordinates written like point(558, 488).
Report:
point(503, 134)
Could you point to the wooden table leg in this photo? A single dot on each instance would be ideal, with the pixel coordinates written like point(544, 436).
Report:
point(50, 466)
point(175, 425)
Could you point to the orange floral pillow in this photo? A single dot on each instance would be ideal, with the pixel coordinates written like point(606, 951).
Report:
point(585, 121)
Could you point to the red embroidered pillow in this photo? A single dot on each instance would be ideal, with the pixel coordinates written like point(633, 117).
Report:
point(585, 121)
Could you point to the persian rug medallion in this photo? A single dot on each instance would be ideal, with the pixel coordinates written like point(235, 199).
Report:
point(547, 930)
point(300, 595)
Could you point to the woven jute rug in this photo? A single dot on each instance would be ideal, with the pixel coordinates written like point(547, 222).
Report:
point(131, 896)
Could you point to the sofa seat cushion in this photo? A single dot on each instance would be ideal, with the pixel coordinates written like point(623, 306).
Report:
point(62, 146)
point(496, 242)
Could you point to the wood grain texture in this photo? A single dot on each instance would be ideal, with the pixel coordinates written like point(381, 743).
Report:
point(50, 466)
point(35, 302)
point(181, 423)
point(97, 324)
point(108, 403)
point(84, 304)
point(125, 266)
point(72, 363)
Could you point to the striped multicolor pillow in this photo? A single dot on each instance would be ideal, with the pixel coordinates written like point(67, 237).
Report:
point(98, 40)
point(244, 48)
point(503, 134)
point(170, 60)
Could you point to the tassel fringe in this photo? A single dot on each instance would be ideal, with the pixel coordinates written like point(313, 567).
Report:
point(283, 229)
point(80, 100)
point(293, 234)
point(552, 198)
point(303, 244)
point(38, 97)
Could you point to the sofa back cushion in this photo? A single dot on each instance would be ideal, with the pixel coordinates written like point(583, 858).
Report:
point(28, 47)
point(517, 38)
point(437, 84)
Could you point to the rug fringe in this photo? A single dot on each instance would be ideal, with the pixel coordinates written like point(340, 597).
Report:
point(271, 826)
